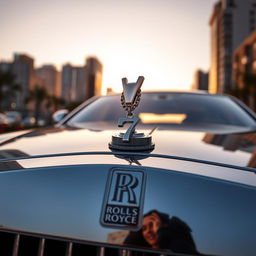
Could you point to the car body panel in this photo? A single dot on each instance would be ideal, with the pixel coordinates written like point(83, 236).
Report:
point(66, 201)
point(235, 149)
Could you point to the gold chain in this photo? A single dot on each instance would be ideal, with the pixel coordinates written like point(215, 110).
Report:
point(130, 108)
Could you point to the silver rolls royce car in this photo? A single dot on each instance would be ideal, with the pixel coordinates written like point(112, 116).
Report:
point(172, 173)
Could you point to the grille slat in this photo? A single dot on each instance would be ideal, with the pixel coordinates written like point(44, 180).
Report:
point(125, 253)
point(101, 251)
point(16, 245)
point(41, 247)
point(69, 249)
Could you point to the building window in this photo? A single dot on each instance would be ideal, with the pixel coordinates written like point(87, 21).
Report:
point(254, 50)
point(244, 60)
point(248, 50)
point(254, 66)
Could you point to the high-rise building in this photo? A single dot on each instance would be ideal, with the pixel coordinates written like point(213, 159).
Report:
point(231, 22)
point(5, 66)
point(9, 99)
point(48, 78)
point(23, 68)
point(73, 83)
point(93, 77)
point(244, 71)
point(80, 83)
point(200, 80)
point(66, 81)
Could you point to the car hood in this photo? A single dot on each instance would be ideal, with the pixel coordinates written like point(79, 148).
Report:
point(235, 149)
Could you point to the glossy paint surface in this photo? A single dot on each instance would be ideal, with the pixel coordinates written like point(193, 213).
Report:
point(236, 149)
point(64, 195)
point(67, 201)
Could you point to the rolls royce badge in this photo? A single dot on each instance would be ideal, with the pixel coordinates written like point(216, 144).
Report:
point(123, 199)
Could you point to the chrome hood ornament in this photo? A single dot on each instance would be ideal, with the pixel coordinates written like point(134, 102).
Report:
point(130, 97)
point(131, 140)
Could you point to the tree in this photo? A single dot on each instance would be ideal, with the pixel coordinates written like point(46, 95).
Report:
point(38, 95)
point(8, 86)
point(55, 102)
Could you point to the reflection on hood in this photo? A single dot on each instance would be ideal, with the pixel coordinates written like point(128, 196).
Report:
point(173, 234)
point(10, 165)
point(234, 142)
point(234, 149)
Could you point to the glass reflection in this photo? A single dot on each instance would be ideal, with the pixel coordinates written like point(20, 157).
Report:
point(160, 231)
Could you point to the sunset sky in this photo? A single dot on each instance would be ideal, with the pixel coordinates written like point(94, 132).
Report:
point(163, 40)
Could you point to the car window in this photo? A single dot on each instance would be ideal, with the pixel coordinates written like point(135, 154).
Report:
point(166, 108)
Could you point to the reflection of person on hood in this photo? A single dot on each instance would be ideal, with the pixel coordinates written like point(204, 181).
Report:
point(161, 232)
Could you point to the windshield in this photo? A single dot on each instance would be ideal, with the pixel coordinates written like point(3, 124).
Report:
point(179, 109)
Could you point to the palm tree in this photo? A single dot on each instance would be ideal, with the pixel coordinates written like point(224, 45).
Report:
point(38, 95)
point(8, 86)
point(55, 102)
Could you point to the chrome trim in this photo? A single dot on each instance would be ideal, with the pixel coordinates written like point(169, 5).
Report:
point(125, 253)
point(16, 245)
point(101, 251)
point(69, 249)
point(130, 90)
point(130, 131)
point(41, 247)
point(187, 159)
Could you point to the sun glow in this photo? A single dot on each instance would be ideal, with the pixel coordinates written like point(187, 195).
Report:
point(155, 40)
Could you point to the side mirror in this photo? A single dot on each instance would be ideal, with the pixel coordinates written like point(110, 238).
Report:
point(59, 115)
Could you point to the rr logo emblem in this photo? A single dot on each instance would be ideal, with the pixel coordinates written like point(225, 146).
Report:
point(126, 183)
point(124, 196)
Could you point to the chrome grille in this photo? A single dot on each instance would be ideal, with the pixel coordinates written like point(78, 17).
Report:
point(19, 244)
